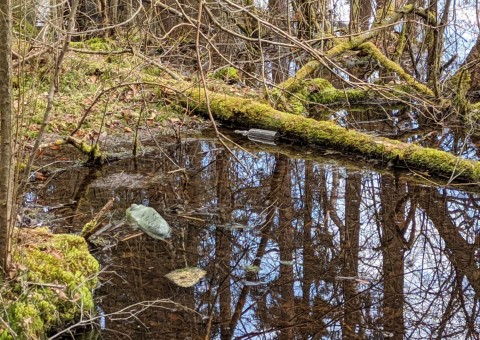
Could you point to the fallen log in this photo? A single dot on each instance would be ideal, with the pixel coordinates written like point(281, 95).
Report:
point(346, 45)
point(247, 113)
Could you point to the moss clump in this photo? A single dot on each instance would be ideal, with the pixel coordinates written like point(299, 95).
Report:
point(95, 156)
point(94, 44)
point(88, 227)
point(54, 279)
point(305, 93)
point(227, 74)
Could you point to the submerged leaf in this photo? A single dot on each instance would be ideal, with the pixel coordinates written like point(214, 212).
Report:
point(186, 277)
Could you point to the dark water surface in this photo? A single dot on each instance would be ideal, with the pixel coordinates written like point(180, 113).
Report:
point(293, 248)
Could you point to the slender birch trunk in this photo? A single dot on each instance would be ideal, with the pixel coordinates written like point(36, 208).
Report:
point(6, 127)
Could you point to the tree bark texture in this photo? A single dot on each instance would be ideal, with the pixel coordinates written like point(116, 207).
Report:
point(6, 125)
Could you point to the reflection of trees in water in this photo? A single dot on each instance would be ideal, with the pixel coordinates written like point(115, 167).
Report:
point(340, 253)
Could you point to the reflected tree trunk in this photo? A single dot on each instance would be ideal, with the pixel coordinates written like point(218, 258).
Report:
point(460, 253)
point(275, 189)
point(223, 245)
point(308, 252)
point(285, 237)
point(392, 219)
point(351, 328)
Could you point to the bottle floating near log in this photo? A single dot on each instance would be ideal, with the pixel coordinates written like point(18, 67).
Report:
point(260, 135)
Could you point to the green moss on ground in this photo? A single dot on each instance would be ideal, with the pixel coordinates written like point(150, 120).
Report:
point(53, 279)
point(227, 74)
point(94, 44)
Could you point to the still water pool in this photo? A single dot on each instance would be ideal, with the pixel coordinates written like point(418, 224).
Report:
point(296, 244)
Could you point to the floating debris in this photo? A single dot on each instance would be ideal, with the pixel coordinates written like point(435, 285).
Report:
point(358, 279)
point(254, 283)
point(102, 320)
point(260, 135)
point(252, 269)
point(149, 220)
point(186, 277)
point(233, 226)
point(120, 180)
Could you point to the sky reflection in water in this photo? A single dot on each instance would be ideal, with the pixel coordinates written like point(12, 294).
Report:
point(314, 249)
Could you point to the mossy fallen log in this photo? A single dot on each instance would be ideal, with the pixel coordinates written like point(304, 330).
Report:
point(346, 44)
point(318, 91)
point(95, 156)
point(372, 50)
point(249, 113)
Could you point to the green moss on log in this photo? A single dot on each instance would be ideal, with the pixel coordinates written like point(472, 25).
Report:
point(95, 156)
point(317, 91)
point(88, 227)
point(342, 45)
point(390, 65)
point(249, 113)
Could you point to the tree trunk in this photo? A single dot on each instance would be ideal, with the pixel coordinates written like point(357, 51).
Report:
point(472, 64)
point(6, 127)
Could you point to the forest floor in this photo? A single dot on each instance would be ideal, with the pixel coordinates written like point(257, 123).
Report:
point(113, 93)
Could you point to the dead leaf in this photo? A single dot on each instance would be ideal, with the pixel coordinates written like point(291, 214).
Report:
point(186, 277)
point(40, 177)
point(61, 294)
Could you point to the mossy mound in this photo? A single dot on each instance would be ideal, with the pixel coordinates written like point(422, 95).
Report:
point(53, 279)
point(227, 74)
point(94, 44)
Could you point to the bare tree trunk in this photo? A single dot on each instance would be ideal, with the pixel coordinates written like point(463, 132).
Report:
point(365, 13)
point(472, 64)
point(436, 47)
point(278, 8)
point(6, 127)
point(354, 24)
